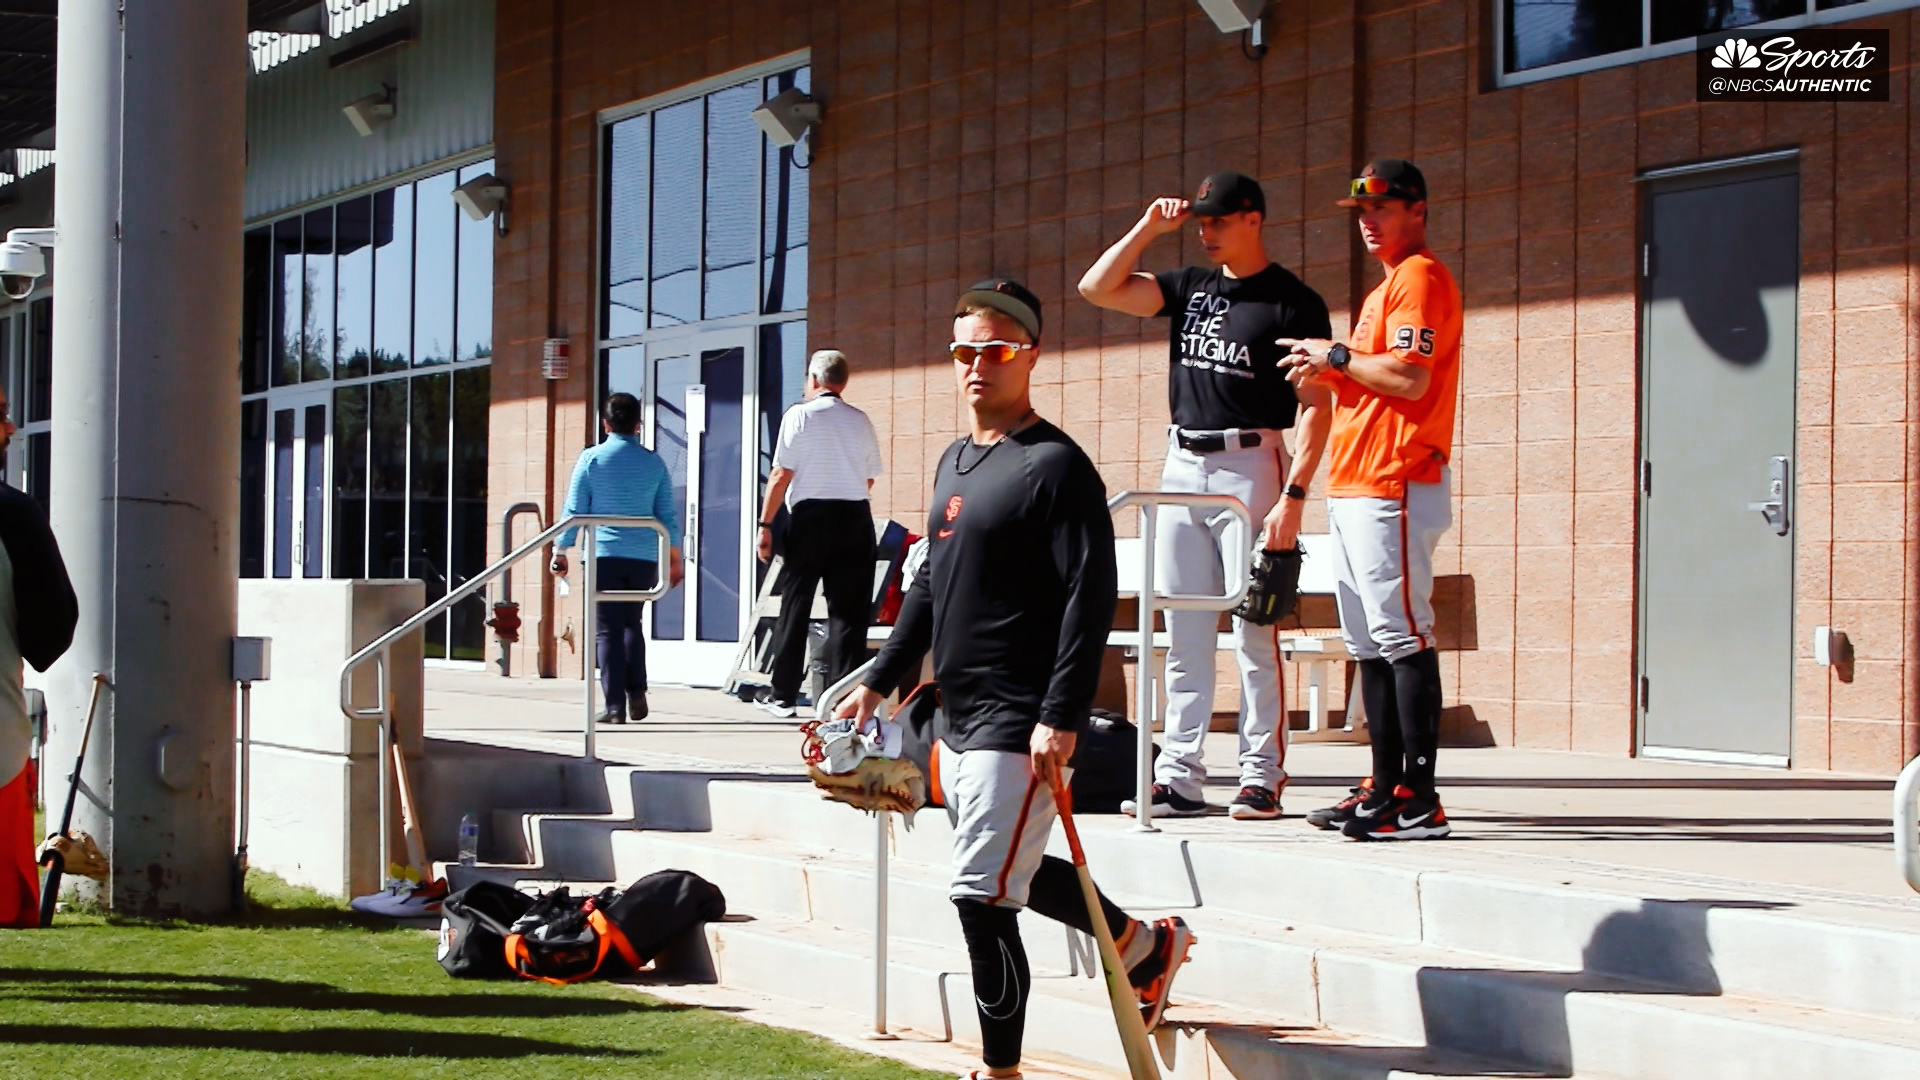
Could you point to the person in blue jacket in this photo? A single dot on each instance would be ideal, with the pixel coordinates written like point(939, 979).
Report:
point(622, 476)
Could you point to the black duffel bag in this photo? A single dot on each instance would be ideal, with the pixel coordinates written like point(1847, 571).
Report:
point(474, 924)
point(1103, 764)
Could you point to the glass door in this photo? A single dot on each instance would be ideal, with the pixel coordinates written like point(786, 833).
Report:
point(297, 484)
point(698, 424)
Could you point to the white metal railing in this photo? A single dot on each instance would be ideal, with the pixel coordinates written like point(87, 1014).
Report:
point(822, 711)
point(379, 648)
point(1906, 823)
point(1238, 546)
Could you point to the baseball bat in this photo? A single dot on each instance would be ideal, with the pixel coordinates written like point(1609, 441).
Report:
point(1126, 1006)
point(56, 863)
point(409, 823)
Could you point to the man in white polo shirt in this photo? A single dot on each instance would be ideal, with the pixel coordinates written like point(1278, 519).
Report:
point(824, 465)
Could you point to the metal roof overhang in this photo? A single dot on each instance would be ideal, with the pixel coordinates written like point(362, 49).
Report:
point(29, 34)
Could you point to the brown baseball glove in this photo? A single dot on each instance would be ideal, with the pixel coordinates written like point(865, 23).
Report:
point(876, 784)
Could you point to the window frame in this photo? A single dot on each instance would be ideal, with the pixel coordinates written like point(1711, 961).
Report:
point(1648, 50)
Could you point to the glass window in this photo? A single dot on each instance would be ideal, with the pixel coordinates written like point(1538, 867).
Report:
point(316, 297)
point(40, 361)
point(288, 283)
point(433, 270)
point(427, 497)
point(253, 488)
point(675, 267)
point(353, 318)
point(40, 469)
point(671, 377)
point(387, 480)
point(625, 307)
point(350, 482)
point(472, 395)
point(784, 217)
point(392, 278)
point(724, 373)
point(1542, 32)
point(313, 537)
point(733, 166)
point(473, 303)
point(1688, 18)
point(1825, 5)
point(283, 493)
point(783, 377)
point(256, 311)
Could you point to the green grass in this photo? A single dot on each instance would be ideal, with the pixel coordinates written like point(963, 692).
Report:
point(303, 988)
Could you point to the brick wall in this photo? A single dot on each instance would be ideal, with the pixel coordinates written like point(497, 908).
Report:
point(1023, 137)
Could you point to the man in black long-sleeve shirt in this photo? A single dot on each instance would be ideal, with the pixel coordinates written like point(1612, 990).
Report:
point(1015, 599)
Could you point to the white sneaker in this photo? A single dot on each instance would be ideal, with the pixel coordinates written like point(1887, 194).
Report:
point(773, 707)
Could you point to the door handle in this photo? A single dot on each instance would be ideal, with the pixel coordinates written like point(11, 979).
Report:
point(1774, 506)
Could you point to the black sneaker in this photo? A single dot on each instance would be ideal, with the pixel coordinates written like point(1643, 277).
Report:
point(610, 717)
point(1337, 815)
point(637, 706)
point(1152, 978)
point(1167, 803)
point(767, 703)
point(1254, 804)
point(1405, 816)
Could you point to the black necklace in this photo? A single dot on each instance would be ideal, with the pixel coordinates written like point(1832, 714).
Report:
point(960, 470)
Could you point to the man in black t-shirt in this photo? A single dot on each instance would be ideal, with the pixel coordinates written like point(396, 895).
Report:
point(1015, 599)
point(1229, 403)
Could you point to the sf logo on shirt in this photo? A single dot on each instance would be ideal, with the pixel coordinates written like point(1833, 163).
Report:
point(953, 511)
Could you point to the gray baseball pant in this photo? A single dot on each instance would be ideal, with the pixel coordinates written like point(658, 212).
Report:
point(1383, 566)
point(1188, 559)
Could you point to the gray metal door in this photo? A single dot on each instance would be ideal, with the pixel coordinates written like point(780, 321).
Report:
point(1720, 332)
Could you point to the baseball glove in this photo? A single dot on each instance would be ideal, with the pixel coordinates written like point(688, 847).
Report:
point(870, 783)
point(1274, 590)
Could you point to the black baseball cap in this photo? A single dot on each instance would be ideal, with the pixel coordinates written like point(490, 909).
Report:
point(1006, 296)
point(1387, 178)
point(1226, 193)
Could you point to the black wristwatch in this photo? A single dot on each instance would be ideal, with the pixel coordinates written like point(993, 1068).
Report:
point(766, 525)
point(1295, 491)
point(1339, 356)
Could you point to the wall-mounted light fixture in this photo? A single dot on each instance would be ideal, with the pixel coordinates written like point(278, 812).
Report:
point(787, 116)
point(1243, 17)
point(371, 111)
point(484, 194)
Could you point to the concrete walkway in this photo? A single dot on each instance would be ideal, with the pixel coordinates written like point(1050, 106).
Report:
point(1820, 838)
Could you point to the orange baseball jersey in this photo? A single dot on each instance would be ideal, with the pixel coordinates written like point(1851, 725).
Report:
point(1379, 444)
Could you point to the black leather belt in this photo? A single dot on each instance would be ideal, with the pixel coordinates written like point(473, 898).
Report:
point(1213, 442)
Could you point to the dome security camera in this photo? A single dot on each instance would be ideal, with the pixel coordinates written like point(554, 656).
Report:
point(22, 262)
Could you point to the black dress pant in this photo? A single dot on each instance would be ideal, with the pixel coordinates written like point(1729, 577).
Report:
point(828, 541)
point(618, 641)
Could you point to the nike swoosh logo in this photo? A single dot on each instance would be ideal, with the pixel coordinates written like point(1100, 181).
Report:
point(943, 534)
point(1407, 823)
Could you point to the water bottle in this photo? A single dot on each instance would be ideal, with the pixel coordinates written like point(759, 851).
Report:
point(469, 840)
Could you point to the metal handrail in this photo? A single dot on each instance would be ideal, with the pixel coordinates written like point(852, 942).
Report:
point(823, 709)
point(1906, 823)
point(379, 649)
point(1238, 568)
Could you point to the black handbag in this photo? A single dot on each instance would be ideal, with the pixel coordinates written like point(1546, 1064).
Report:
point(662, 906)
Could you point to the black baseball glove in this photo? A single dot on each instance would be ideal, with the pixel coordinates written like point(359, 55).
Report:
point(1274, 590)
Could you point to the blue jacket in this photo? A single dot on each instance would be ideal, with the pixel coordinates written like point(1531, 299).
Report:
point(622, 476)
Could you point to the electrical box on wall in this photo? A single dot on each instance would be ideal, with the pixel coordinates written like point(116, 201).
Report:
point(554, 360)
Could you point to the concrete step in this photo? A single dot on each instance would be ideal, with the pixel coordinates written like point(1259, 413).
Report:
point(1695, 936)
point(1549, 1019)
point(1068, 1017)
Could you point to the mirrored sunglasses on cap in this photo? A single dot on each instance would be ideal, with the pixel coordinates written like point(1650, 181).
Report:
point(994, 352)
point(1370, 187)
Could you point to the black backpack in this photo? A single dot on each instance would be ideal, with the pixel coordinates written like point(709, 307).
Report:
point(662, 906)
point(1103, 764)
point(474, 924)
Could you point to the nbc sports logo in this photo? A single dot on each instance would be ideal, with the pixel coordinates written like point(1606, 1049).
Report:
point(1735, 53)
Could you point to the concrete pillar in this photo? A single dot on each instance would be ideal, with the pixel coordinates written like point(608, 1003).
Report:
point(146, 437)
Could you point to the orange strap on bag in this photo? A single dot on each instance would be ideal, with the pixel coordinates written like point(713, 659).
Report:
point(610, 938)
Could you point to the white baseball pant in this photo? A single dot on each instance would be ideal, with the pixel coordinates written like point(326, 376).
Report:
point(1383, 565)
point(1188, 559)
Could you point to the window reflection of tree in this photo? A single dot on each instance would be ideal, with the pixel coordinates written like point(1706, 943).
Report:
point(1674, 19)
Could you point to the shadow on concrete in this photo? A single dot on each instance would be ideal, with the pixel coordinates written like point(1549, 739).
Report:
point(1521, 1016)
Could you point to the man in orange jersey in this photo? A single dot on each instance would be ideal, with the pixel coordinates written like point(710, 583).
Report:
point(1389, 497)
